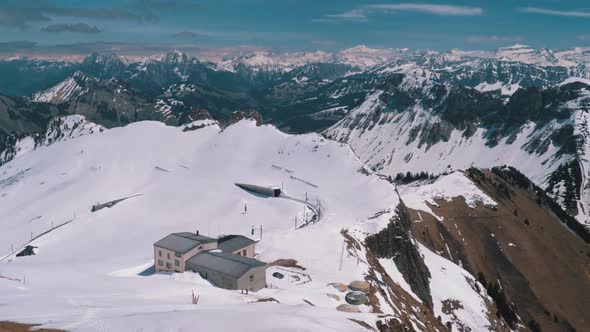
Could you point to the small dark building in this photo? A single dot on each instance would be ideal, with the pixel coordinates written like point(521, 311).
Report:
point(259, 190)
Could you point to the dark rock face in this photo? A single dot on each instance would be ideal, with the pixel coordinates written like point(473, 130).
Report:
point(568, 177)
point(240, 115)
point(393, 325)
point(196, 115)
point(516, 178)
point(396, 242)
point(103, 66)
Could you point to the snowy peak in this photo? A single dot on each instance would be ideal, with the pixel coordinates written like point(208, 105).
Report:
point(72, 87)
point(364, 57)
point(104, 65)
point(359, 56)
point(176, 58)
point(107, 60)
point(271, 62)
point(574, 57)
point(528, 55)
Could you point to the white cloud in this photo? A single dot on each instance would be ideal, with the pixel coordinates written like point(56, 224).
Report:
point(443, 10)
point(545, 11)
point(361, 14)
point(353, 15)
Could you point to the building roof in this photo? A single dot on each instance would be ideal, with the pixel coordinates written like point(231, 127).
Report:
point(183, 242)
point(231, 243)
point(225, 263)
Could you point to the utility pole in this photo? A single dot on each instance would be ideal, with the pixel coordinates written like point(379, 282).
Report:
point(304, 214)
point(261, 232)
point(341, 256)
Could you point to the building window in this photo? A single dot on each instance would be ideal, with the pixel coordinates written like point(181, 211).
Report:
point(176, 262)
point(160, 262)
point(177, 254)
point(244, 252)
point(160, 253)
point(168, 266)
point(251, 279)
point(168, 255)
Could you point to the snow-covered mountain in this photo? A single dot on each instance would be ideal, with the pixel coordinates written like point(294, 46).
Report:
point(536, 131)
point(104, 66)
point(269, 62)
point(90, 271)
point(365, 57)
point(544, 57)
point(137, 159)
point(70, 88)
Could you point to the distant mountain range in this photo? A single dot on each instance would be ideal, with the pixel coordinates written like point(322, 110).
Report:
point(400, 110)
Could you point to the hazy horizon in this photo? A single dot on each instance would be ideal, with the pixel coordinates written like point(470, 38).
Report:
point(146, 27)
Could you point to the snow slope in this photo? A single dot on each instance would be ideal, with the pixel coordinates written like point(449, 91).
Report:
point(445, 187)
point(387, 146)
point(472, 311)
point(64, 91)
point(59, 129)
point(85, 274)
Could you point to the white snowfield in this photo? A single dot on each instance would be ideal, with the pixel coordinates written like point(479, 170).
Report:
point(87, 274)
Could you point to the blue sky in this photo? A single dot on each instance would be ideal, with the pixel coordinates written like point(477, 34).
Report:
point(144, 26)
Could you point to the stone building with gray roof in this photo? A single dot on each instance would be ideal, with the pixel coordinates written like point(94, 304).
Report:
point(228, 262)
point(229, 271)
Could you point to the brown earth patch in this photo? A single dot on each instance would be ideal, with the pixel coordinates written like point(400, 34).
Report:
point(449, 306)
point(541, 265)
point(339, 286)
point(348, 308)
point(393, 325)
point(19, 327)
point(286, 262)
